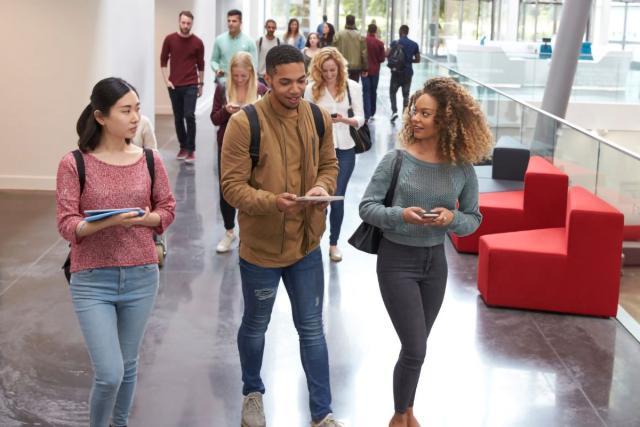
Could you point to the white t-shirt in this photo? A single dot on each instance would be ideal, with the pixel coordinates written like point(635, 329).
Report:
point(341, 136)
point(262, 53)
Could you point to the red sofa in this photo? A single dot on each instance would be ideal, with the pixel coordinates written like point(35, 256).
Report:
point(570, 269)
point(541, 204)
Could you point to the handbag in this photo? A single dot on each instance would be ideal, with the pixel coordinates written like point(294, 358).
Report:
point(367, 237)
point(362, 135)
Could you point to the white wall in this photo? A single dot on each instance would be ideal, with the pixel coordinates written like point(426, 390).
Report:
point(64, 48)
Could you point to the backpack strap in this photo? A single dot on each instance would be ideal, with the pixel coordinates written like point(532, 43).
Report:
point(278, 41)
point(151, 166)
point(77, 154)
point(318, 120)
point(260, 45)
point(254, 130)
point(388, 198)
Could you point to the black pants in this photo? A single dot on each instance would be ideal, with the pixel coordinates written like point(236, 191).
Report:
point(412, 283)
point(183, 103)
point(399, 80)
point(228, 211)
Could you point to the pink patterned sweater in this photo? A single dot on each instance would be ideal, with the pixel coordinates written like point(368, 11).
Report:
point(109, 186)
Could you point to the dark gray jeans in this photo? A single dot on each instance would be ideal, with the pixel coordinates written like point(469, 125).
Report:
point(412, 283)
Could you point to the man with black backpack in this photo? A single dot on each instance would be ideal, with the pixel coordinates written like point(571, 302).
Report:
point(264, 45)
point(274, 152)
point(403, 53)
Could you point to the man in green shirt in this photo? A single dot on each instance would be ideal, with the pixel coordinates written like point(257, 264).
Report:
point(230, 42)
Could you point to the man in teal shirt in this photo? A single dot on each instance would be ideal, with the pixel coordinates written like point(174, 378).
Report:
point(227, 44)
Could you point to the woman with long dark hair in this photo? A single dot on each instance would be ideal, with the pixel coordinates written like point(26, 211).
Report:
point(444, 134)
point(114, 271)
point(327, 35)
point(310, 49)
point(293, 36)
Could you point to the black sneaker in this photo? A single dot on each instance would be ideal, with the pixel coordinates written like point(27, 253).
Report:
point(394, 117)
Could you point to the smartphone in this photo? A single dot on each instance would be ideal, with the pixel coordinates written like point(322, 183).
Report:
point(334, 115)
point(430, 215)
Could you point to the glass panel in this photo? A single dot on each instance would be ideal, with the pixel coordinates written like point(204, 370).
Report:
point(616, 21)
point(544, 136)
point(528, 129)
point(548, 18)
point(633, 23)
point(450, 19)
point(377, 11)
point(484, 18)
point(509, 121)
point(619, 182)
point(351, 7)
point(278, 11)
point(300, 9)
point(577, 155)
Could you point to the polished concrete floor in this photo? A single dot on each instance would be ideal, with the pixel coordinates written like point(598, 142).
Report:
point(485, 367)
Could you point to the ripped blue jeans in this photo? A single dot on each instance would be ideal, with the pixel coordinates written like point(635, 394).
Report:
point(304, 282)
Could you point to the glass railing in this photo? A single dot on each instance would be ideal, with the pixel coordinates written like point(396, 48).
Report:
point(608, 77)
point(610, 171)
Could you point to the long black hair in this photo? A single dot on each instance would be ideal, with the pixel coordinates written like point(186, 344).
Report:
point(104, 95)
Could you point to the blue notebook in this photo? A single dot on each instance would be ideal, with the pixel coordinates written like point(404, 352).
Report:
point(98, 214)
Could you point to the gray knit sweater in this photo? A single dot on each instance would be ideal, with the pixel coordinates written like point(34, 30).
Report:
point(423, 184)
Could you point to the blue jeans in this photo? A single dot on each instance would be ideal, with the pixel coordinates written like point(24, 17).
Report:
point(183, 104)
point(304, 282)
point(113, 305)
point(346, 162)
point(370, 95)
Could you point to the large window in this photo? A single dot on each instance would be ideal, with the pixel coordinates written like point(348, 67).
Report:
point(538, 19)
point(624, 23)
point(466, 19)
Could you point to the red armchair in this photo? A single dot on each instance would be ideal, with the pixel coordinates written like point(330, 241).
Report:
point(572, 269)
point(541, 204)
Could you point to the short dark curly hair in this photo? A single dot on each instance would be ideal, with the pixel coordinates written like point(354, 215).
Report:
point(280, 55)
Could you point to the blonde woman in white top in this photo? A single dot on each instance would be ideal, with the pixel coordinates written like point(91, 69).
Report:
point(328, 88)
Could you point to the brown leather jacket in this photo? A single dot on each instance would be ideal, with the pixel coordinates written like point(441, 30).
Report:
point(268, 237)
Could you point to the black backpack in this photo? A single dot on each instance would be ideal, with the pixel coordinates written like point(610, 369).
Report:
point(254, 128)
point(396, 59)
point(66, 267)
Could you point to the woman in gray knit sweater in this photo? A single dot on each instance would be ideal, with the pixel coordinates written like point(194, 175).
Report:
point(444, 133)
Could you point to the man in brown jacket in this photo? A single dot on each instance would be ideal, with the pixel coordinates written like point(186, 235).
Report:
point(279, 235)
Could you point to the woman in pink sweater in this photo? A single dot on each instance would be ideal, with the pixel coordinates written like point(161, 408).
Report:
point(114, 272)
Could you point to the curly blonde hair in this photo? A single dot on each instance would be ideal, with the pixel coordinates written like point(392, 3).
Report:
point(318, 60)
point(463, 132)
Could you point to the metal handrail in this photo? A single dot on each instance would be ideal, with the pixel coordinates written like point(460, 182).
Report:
point(539, 111)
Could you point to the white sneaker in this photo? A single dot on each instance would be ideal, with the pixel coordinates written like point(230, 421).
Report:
point(225, 244)
point(334, 254)
point(327, 421)
point(253, 411)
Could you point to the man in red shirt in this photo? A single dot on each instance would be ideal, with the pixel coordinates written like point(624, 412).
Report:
point(185, 52)
point(376, 56)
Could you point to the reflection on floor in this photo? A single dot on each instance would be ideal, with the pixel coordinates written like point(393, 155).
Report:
point(485, 367)
point(630, 291)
